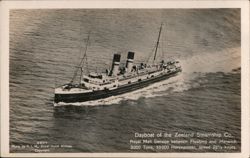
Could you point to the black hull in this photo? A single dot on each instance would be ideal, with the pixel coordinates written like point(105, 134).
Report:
point(95, 95)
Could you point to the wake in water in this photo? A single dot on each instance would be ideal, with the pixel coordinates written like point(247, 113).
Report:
point(194, 70)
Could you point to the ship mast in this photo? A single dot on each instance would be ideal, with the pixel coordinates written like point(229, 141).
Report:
point(81, 63)
point(157, 44)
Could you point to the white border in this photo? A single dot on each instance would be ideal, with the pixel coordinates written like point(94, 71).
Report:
point(5, 6)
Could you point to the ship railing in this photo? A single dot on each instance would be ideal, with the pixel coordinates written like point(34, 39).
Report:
point(70, 86)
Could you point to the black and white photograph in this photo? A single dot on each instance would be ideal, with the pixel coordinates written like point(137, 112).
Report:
point(125, 80)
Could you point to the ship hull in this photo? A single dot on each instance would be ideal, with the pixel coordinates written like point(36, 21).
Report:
point(101, 94)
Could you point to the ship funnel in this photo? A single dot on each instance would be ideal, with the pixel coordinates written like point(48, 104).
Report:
point(130, 60)
point(115, 64)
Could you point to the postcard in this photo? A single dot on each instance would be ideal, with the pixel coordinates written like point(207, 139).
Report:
point(125, 79)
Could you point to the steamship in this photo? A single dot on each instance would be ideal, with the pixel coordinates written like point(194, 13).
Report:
point(117, 80)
